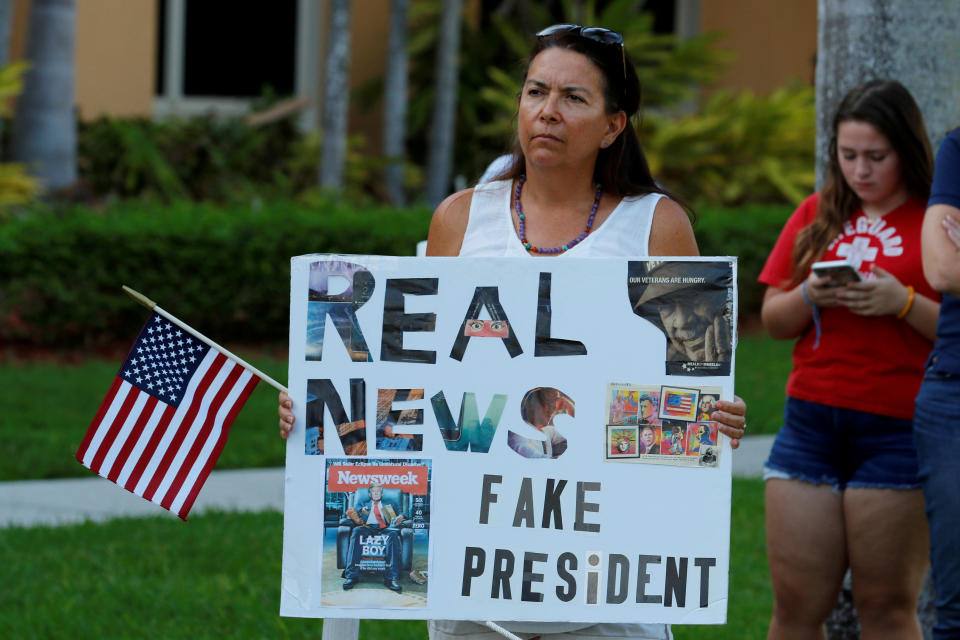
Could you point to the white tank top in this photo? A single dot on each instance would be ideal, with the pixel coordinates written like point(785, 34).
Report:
point(490, 231)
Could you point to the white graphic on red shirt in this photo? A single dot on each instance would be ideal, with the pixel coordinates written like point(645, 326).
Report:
point(857, 251)
point(860, 249)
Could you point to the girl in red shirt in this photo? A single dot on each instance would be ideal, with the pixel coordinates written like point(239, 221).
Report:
point(842, 488)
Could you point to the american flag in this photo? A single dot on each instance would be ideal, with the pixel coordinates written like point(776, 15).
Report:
point(678, 404)
point(165, 420)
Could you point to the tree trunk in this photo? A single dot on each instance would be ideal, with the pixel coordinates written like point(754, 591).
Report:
point(44, 129)
point(440, 159)
point(336, 97)
point(395, 102)
point(913, 41)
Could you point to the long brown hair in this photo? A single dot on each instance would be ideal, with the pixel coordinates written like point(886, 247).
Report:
point(622, 168)
point(888, 106)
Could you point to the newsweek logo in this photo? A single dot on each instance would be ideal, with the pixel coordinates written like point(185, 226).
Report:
point(351, 477)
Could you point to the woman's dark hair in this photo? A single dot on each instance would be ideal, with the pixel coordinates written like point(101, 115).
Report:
point(889, 107)
point(622, 167)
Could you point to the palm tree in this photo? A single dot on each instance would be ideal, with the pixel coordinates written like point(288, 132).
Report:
point(395, 101)
point(336, 98)
point(44, 130)
point(440, 158)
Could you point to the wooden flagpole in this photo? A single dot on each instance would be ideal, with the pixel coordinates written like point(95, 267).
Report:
point(150, 304)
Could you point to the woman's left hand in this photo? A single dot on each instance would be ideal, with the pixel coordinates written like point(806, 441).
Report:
point(881, 296)
point(731, 418)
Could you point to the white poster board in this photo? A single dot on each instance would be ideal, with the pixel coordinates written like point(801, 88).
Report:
point(540, 427)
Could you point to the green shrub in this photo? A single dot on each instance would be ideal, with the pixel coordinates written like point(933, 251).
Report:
point(202, 158)
point(737, 148)
point(748, 232)
point(17, 187)
point(223, 268)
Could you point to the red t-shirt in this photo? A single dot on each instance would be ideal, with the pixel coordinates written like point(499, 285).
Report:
point(866, 363)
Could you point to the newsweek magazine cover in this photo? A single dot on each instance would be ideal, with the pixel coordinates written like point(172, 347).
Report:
point(373, 539)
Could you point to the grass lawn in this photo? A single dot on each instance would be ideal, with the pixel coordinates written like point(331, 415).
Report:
point(763, 365)
point(48, 407)
point(218, 576)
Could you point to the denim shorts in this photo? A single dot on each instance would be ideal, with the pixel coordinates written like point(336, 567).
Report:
point(843, 448)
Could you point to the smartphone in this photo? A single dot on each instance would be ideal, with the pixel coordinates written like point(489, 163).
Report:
point(840, 272)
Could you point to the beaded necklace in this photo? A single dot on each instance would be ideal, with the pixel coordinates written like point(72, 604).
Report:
point(564, 247)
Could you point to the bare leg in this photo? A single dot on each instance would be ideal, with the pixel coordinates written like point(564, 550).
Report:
point(806, 550)
point(888, 549)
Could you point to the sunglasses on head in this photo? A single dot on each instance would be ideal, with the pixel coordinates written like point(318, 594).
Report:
point(597, 34)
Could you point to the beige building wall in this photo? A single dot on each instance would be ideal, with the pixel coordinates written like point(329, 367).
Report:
point(116, 49)
point(116, 54)
point(369, 28)
point(18, 29)
point(774, 41)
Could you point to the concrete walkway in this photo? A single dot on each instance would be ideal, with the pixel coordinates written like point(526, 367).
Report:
point(55, 502)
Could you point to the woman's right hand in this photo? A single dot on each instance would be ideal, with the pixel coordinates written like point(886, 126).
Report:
point(286, 414)
point(820, 291)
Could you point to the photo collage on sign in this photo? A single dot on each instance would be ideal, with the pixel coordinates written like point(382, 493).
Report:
point(661, 425)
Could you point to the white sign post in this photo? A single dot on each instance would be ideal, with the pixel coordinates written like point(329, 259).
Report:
point(509, 439)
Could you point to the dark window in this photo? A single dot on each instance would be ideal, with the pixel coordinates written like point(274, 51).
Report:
point(161, 45)
point(664, 15)
point(235, 48)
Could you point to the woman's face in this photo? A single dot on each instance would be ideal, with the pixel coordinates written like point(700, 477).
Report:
point(562, 117)
point(870, 165)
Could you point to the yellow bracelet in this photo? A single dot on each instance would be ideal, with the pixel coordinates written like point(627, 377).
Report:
point(906, 308)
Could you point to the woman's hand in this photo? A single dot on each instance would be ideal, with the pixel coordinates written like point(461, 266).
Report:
point(717, 344)
point(286, 414)
point(821, 290)
point(731, 418)
point(881, 296)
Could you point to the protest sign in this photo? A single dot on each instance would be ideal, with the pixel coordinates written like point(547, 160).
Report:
point(509, 439)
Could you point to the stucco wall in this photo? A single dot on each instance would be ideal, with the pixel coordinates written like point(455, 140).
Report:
point(774, 41)
point(115, 57)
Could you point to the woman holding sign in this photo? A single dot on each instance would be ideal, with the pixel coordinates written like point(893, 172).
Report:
point(578, 185)
point(842, 486)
